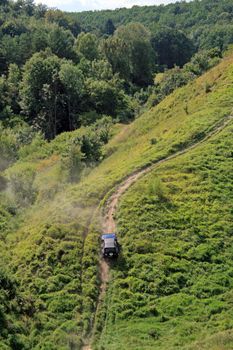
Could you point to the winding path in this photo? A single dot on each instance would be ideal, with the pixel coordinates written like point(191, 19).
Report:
point(109, 224)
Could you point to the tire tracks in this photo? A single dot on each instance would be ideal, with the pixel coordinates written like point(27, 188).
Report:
point(109, 224)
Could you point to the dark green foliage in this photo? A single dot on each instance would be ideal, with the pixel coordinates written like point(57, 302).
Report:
point(61, 42)
point(63, 20)
point(21, 39)
point(75, 73)
point(91, 142)
point(107, 98)
point(109, 27)
point(73, 162)
point(40, 92)
point(129, 51)
point(220, 37)
point(207, 23)
point(72, 79)
point(87, 46)
point(172, 47)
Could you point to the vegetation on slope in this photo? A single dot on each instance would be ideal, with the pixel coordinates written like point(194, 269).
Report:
point(173, 283)
point(55, 267)
point(56, 78)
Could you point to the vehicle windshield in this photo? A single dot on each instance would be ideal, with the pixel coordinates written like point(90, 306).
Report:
point(110, 250)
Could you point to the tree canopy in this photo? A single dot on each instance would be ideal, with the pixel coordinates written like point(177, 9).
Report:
point(61, 70)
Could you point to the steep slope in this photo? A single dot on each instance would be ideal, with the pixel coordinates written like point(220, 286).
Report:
point(173, 284)
point(55, 252)
point(109, 224)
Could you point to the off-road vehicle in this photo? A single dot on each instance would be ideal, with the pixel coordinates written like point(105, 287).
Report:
point(110, 245)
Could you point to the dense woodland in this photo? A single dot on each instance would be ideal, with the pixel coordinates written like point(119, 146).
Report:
point(58, 72)
point(208, 23)
point(66, 81)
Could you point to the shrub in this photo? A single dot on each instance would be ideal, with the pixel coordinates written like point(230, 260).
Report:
point(156, 188)
point(21, 184)
point(3, 183)
point(71, 162)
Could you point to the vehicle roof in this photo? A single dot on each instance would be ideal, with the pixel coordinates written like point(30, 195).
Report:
point(109, 235)
point(109, 243)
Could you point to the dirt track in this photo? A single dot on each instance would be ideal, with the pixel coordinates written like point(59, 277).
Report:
point(109, 224)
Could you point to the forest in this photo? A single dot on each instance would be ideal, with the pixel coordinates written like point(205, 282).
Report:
point(207, 23)
point(58, 72)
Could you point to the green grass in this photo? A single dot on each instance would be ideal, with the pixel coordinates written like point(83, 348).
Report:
point(55, 266)
point(172, 287)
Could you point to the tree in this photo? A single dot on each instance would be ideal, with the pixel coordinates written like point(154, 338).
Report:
point(218, 37)
point(17, 49)
point(4, 2)
point(107, 97)
point(63, 20)
point(13, 27)
point(72, 162)
point(73, 80)
point(172, 47)
point(173, 79)
point(117, 52)
point(29, 7)
point(109, 27)
point(61, 42)
point(137, 38)
point(91, 147)
point(41, 92)
point(3, 94)
point(103, 96)
point(58, 17)
point(87, 46)
point(130, 53)
point(101, 70)
point(40, 11)
point(13, 82)
point(39, 38)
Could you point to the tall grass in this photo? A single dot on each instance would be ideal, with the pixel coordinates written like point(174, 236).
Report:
point(56, 265)
point(172, 287)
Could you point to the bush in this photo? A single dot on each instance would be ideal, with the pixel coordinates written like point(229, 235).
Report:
point(156, 188)
point(71, 162)
point(8, 147)
point(21, 184)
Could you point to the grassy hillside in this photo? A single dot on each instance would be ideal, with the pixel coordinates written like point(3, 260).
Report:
point(172, 288)
point(54, 263)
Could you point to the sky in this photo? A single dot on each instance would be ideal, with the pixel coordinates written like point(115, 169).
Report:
point(83, 5)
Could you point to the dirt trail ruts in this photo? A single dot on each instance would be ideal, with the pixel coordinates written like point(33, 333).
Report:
point(109, 224)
